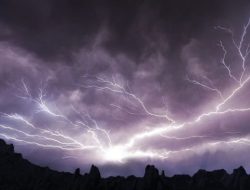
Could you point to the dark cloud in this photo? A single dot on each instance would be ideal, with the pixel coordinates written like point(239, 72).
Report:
point(55, 29)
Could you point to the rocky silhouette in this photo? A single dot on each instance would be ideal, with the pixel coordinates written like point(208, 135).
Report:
point(17, 173)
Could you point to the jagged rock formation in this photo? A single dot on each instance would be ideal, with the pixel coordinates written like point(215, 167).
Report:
point(17, 173)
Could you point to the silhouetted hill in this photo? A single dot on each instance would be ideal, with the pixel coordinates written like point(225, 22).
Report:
point(17, 173)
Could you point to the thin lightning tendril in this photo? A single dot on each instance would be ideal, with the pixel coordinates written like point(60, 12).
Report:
point(113, 86)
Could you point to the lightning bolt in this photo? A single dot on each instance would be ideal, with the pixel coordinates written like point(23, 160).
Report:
point(51, 138)
point(92, 137)
point(112, 86)
point(206, 86)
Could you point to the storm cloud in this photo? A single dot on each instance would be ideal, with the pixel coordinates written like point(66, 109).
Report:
point(121, 67)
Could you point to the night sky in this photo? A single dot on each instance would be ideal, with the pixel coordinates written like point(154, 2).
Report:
point(123, 84)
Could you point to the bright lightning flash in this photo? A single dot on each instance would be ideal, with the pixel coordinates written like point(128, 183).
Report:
point(91, 137)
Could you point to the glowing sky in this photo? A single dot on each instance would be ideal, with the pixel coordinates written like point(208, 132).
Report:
point(122, 85)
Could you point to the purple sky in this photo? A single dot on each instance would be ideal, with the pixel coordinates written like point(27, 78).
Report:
point(125, 84)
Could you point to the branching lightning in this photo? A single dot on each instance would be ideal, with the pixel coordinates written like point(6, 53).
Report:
point(90, 136)
point(113, 86)
point(208, 86)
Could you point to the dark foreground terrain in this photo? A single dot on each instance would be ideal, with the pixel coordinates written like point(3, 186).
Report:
point(17, 173)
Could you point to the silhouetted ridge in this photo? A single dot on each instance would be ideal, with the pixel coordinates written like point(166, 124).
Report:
point(94, 173)
point(239, 172)
point(151, 177)
point(4, 148)
point(17, 173)
point(77, 172)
